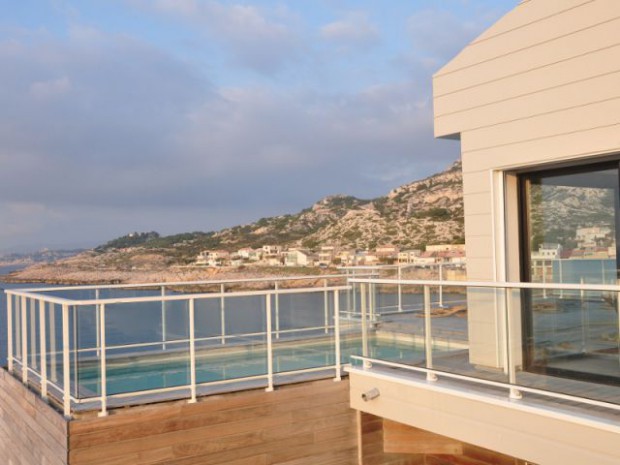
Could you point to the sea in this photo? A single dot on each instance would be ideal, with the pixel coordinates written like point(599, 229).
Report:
point(4, 285)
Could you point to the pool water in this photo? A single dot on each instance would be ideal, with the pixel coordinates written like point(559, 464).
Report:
point(132, 374)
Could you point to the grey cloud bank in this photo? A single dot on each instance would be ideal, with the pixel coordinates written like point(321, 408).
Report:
point(104, 133)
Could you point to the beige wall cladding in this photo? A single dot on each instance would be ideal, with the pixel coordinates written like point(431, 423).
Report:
point(555, 149)
point(478, 225)
point(587, 35)
point(479, 269)
point(533, 81)
point(573, 96)
point(476, 182)
point(478, 203)
point(538, 435)
point(519, 18)
point(566, 122)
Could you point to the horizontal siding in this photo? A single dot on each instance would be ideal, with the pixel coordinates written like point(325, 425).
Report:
point(533, 81)
point(582, 41)
point(529, 12)
point(559, 23)
point(565, 122)
point(553, 100)
point(296, 425)
point(31, 432)
point(558, 148)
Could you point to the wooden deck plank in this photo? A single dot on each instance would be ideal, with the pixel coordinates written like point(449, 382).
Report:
point(298, 422)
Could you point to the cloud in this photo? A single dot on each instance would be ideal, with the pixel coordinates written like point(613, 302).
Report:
point(353, 31)
point(263, 41)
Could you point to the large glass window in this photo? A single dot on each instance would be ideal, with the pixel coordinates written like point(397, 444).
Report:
point(570, 229)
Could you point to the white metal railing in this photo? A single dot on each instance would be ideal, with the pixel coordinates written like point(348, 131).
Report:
point(43, 345)
point(499, 305)
point(32, 320)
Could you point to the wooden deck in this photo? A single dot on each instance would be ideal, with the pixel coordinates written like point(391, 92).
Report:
point(31, 432)
point(307, 423)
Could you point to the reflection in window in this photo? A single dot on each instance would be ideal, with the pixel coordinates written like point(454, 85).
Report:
point(570, 219)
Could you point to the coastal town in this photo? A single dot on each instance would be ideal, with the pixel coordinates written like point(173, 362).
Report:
point(328, 256)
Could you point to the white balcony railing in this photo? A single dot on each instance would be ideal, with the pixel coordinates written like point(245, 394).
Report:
point(96, 347)
point(559, 341)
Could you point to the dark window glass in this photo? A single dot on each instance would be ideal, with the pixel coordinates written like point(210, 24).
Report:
point(570, 219)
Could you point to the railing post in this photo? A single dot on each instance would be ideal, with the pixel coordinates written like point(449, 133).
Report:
point(364, 318)
point(354, 296)
point(277, 302)
point(192, 351)
point(349, 309)
point(269, 343)
point(24, 318)
point(440, 286)
point(53, 353)
point(66, 365)
point(103, 362)
point(43, 344)
point(223, 313)
point(512, 368)
point(337, 335)
point(9, 328)
point(33, 333)
point(400, 289)
point(326, 307)
point(428, 335)
point(97, 323)
point(163, 318)
point(371, 306)
point(75, 351)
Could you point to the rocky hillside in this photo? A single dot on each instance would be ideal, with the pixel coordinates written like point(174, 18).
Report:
point(423, 212)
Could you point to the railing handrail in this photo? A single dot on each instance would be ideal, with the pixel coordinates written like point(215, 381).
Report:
point(489, 284)
point(30, 293)
point(182, 283)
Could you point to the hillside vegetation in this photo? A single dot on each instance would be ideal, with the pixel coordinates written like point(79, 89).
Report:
point(423, 212)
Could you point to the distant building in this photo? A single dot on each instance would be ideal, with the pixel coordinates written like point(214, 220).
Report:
point(213, 258)
point(591, 236)
point(547, 251)
point(326, 255)
point(445, 247)
point(408, 256)
point(272, 249)
point(300, 257)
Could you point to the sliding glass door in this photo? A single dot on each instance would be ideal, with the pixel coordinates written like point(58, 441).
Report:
point(569, 235)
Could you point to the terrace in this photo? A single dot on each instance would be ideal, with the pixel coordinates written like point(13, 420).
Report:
point(99, 347)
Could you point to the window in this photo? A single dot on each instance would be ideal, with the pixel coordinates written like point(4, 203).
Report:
point(569, 234)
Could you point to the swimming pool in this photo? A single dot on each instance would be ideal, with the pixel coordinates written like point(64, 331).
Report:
point(172, 369)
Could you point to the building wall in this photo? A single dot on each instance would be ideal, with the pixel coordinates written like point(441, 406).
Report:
point(31, 432)
point(304, 424)
point(540, 87)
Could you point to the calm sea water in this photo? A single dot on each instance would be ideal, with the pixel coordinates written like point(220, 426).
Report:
point(3, 285)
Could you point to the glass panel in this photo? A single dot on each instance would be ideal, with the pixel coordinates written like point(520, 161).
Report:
point(571, 219)
point(303, 331)
point(243, 350)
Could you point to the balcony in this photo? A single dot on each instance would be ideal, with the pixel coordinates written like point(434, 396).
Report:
point(474, 361)
point(525, 369)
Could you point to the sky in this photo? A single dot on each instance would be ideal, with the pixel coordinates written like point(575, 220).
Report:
point(194, 115)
